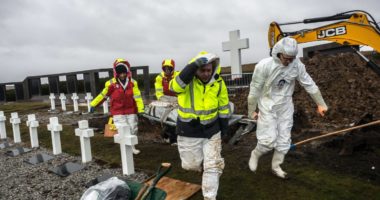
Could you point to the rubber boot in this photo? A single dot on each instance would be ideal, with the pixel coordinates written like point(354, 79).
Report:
point(254, 160)
point(134, 150)
point(277, 160)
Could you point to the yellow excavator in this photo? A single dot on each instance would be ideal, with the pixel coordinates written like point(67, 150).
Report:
point(352, 28)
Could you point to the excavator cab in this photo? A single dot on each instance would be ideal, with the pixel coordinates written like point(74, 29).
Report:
point(351, 28)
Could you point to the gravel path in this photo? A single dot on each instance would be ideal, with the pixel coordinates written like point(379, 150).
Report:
point(20, 180)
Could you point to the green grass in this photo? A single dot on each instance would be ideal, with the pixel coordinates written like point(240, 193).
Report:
point(23, 108)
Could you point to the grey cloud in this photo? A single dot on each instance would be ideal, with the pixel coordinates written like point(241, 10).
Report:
point(42, 36)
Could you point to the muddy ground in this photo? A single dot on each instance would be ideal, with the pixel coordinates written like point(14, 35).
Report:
point(342, 167)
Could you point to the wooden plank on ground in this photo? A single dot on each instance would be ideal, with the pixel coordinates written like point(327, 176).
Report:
point(177, 189)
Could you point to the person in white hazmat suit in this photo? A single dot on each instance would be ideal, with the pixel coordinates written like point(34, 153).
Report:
point(272, 89)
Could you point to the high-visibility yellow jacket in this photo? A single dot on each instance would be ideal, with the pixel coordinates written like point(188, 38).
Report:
point(203, 107)
point(123, 100)
point(162, 84)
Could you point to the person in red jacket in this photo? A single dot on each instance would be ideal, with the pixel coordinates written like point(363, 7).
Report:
point(126, 101)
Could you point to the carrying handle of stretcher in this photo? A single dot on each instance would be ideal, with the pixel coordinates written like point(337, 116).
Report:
point(246, 119)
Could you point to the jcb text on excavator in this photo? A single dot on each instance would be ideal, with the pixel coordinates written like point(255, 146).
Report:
point(351, 29)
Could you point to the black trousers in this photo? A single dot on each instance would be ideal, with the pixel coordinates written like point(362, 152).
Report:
point(169, 132)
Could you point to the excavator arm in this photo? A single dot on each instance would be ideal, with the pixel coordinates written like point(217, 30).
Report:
point(357, 30)
point(352, 28)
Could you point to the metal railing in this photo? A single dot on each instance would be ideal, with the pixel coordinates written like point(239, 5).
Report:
point(237, 82)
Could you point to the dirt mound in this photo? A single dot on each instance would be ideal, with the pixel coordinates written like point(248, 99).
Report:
point(347, 85)
point(349, 88)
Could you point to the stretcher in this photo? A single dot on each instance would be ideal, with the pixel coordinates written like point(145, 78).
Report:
point(165, 112)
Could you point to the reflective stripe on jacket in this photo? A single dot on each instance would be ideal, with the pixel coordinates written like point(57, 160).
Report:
point(201, 104)
point(162, 85)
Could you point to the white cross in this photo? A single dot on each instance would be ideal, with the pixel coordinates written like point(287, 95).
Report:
point(15, 121)
point(126, 141)
point(52, 101)
point(3, 130)
point(85, 145)
point(235, 45)
point(105, 106)
point(62, 97)
point(54, 127)
point(32, 123)
point(88, 99)
point(75, 101)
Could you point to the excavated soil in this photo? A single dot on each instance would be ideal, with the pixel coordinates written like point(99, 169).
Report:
point(351, 91)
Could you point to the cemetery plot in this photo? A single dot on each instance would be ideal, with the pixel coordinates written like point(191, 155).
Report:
point(17, 151)
point(5, 145)
point(66, 169)
point(38, 158)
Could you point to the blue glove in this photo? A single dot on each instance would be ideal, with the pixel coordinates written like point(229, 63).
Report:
point(92, 109)
point(201, 61)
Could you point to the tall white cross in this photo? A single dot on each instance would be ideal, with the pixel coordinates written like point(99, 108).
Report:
point(126, 141)
point(88, 99)
point(3, 130)
point(85, 145)
point(105, 106)
point(62, 97)
point(54, 127)
point(52, 101)
point(235, 45)
point(32, 123)
point(75, 101)
point(15, 121)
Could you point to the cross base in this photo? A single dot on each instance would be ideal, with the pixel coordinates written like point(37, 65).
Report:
point(39, 158)
point(66, 169)
point(5, 145)
point(17, 151)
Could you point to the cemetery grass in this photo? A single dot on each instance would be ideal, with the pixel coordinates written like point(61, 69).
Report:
point(310, 178)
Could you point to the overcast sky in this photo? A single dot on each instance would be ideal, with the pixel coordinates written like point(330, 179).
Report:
point(52, 36)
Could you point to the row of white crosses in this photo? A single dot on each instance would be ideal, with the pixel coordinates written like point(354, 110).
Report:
point(124, 138)
point(75, 99)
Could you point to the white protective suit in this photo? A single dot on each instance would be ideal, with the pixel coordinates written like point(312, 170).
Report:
point(132, 121)
point(195, 150)
point(271, 89)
